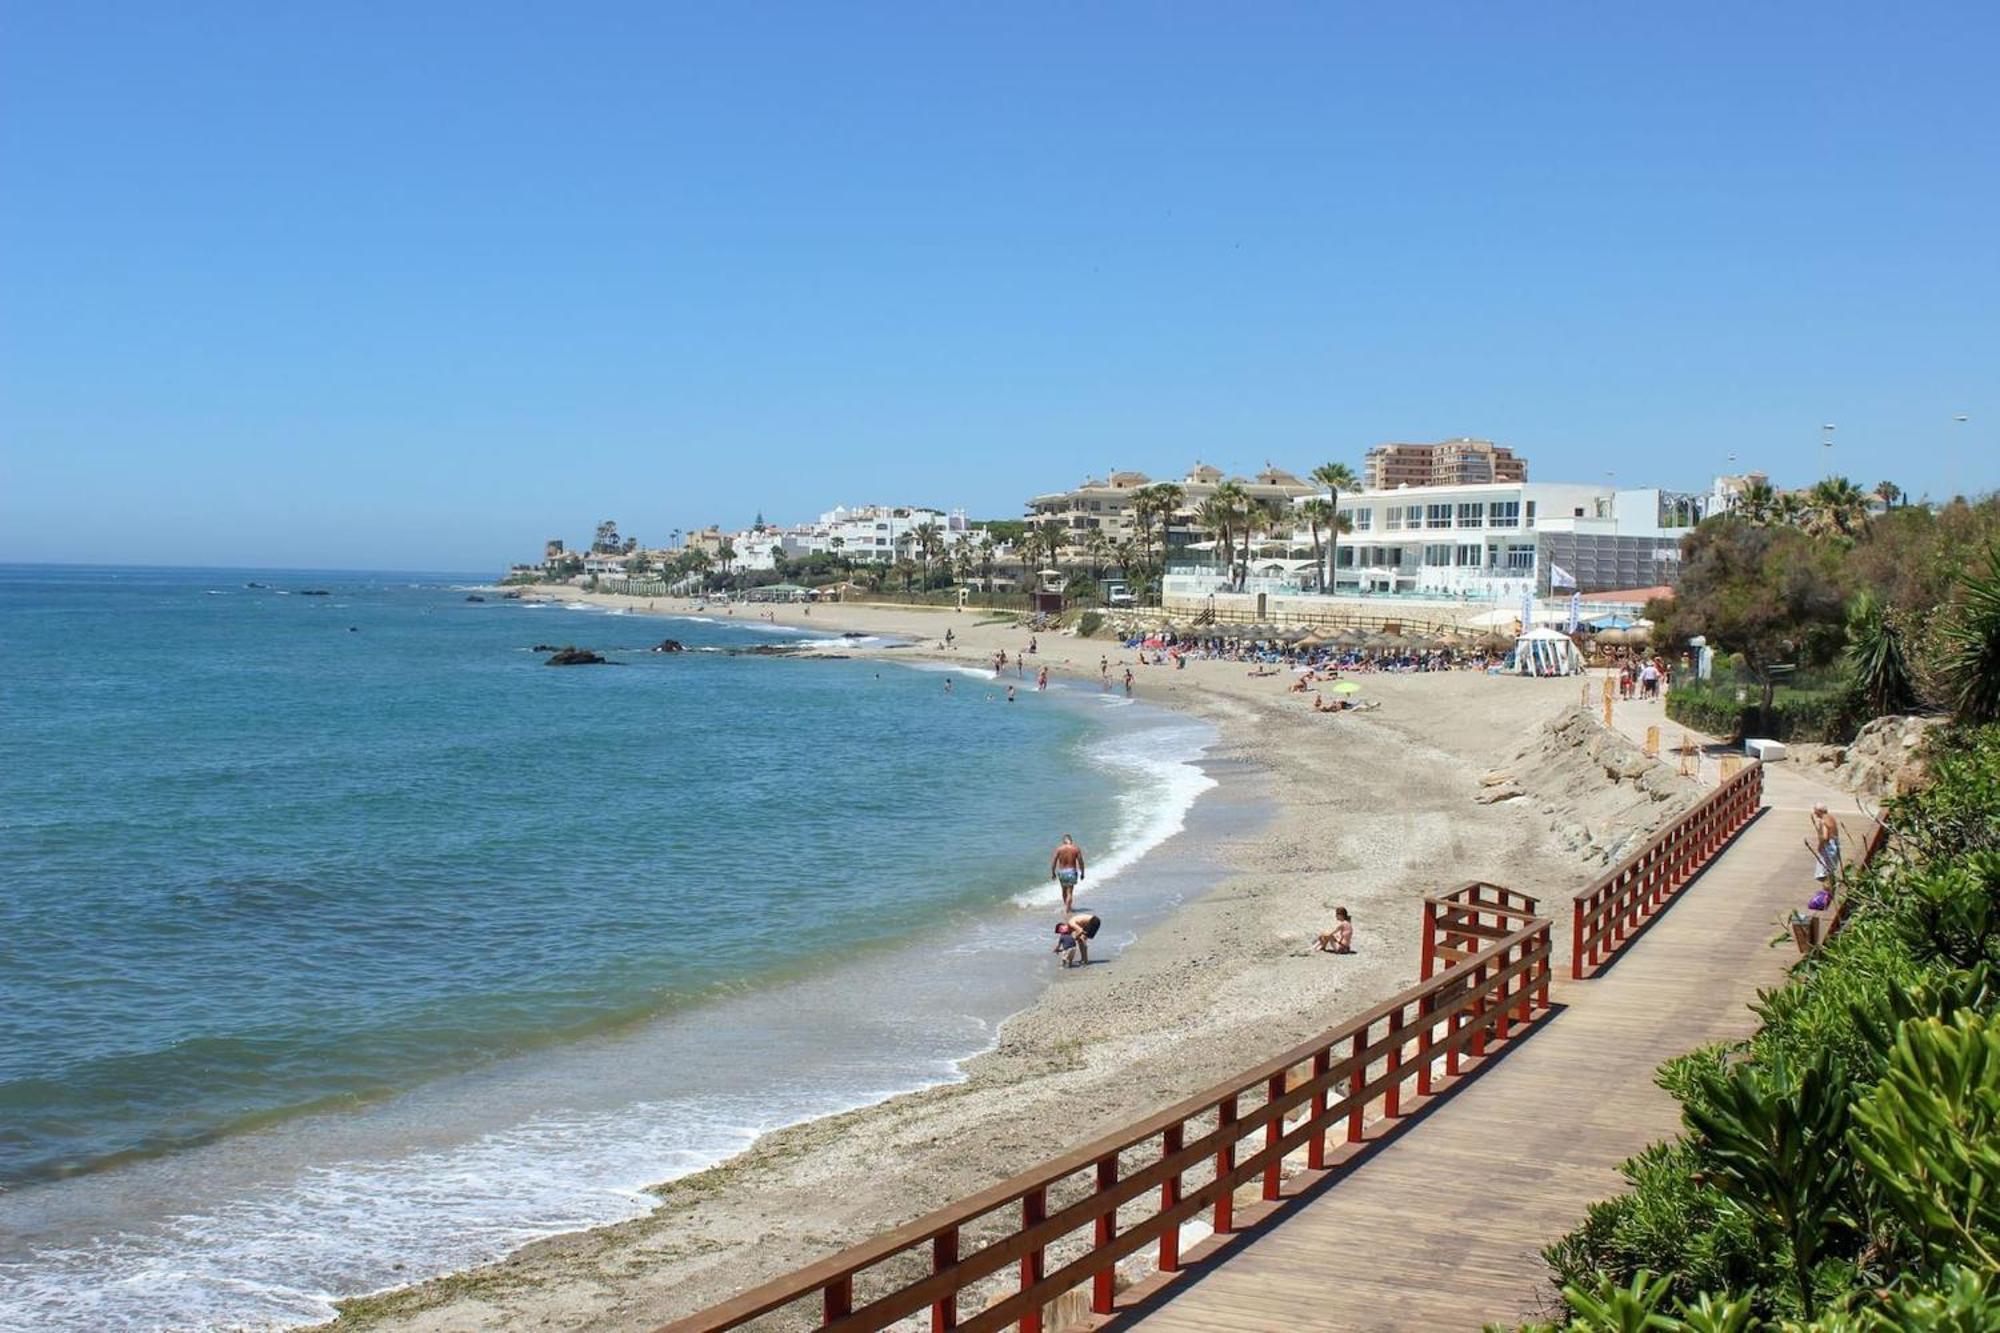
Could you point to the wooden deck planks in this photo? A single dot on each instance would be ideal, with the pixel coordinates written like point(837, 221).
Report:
point(1442, 1227)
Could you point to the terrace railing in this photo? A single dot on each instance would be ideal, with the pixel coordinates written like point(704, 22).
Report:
point(1056, 1227)
point(1608, 914)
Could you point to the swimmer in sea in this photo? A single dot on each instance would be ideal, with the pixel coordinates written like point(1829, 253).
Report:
point(1066, 869)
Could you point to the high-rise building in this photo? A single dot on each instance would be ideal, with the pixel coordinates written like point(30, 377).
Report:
point(1460, 462)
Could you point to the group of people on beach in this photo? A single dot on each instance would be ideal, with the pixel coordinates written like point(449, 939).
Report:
point(1076, 929)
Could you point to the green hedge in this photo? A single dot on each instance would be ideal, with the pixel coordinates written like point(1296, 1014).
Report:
point(1832, 714)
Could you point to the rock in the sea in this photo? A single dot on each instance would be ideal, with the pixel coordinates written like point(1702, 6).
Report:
point(572, 656)
point(314, 592)
point(670, 646)
point(474, 597)
point(546, 648)
point(514, 595)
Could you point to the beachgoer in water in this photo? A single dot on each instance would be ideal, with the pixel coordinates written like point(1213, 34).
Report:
point(1066, 869)
point(1010, 694)
point(1128, 682)
point(1073, 937)
point(947, 684)
point(1341, 938)
point(1042, 679)
point(1826, 843)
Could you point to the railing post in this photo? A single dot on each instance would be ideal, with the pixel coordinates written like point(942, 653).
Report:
point(1479, 1010)
point(1102, 1284)
point(1504, 995)
point(1274, 1129)
point(1356, 1081)
point(1392, 1100)
point(1225, 1162)
point(1576, 941)
point(1034, 1210)
point(944, 1253)
point(1426, 1025)
point(1430, 940)
point(1316, 1144)
point(837, 1298)
point(1170, 1196)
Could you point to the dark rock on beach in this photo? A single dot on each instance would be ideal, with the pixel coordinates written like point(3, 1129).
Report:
point(573, 656)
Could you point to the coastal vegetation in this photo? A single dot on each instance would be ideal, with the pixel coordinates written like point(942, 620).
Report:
point(1840, 1170)
point(1825, 613)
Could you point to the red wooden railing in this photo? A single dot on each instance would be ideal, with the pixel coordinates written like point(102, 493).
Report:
point(1057, 1225)
point(1608, 913)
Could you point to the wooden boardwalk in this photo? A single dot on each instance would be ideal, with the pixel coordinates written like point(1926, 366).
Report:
point(1441, 1227)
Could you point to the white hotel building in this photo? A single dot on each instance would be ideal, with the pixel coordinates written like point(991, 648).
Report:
point(1481, 542)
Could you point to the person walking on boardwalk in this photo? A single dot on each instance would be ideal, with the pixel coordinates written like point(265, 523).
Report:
point(1825, 844)
point(1066, 869)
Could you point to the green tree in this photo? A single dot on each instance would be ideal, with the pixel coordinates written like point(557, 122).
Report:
point(1318, 514)
point(1972, 641)
point(929, 541)
point(1876, 651)
point(1837, 505)
point(1756, 502)
point(1773, 594)
point(1888, 492)
point(1336, 477)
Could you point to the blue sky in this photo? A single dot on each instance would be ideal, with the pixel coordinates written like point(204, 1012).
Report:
point(417, 286)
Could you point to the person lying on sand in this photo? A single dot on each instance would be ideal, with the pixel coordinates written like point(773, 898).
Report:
point(1073, 938)
point(1341, 938)
point(1299, 685)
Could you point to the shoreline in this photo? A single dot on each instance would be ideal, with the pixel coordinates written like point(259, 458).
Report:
point(1222, 977)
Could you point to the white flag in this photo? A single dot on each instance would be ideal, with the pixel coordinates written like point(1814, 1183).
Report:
point(1575, 613)
point(1560, 577)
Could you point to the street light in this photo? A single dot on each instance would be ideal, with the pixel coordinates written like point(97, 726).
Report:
point(1826, 443)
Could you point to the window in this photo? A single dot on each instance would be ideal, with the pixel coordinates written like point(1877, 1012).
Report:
point(1520, 558)
point(1363, 519)
point(1469, 556)
point(1506, 514)
point(1437, 555)
point(1394, 519)
point(1531, 513)
point(1440, 516)
point(1471, 515)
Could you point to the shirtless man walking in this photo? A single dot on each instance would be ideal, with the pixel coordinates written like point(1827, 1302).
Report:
point(1066, 869)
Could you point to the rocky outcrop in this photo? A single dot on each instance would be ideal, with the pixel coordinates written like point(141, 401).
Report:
point(1886, 758)
point(573, 656)
point(474, 597)
point(1600, 793)
point(669, 646)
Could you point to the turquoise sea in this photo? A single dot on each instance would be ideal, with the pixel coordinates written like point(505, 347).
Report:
point(343, 942)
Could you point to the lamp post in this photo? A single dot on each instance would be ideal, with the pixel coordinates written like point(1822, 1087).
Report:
point(1957, 439)
point(1826, 446)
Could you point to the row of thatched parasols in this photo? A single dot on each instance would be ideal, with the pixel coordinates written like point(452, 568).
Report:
point(1355, 638)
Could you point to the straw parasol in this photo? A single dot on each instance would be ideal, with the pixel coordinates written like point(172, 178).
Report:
point(1310, 640)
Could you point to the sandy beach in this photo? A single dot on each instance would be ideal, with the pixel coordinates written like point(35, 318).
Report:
point(1368, 810)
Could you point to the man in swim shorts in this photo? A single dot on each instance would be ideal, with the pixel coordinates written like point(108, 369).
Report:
point(1066, 869)
point(1073, 938)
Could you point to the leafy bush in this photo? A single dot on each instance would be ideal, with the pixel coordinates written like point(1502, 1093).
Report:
point(1089, 623)
point(1831, 713)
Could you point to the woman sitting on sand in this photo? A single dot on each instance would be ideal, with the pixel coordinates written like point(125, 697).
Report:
point(1341, 938)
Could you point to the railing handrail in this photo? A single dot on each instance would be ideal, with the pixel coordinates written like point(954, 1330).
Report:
point(1605, 912)
point(1439, 998)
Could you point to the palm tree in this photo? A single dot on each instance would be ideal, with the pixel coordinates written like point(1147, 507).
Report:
point(1790, 510)
point(1218, 519)
point(1316, 512)
point(905, 567)
point(1336, 477)
point(1096, 546)
point(928, 543)
point(699, 563)
point(1888, 492)
point(987, 546)
point(1881, 665)
point(725, 554)
point(1757, 502)
point(1972, 639)
point(1837, 505)
point(1126, 553)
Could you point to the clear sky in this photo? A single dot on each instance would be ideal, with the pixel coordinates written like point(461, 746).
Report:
point(420, 285)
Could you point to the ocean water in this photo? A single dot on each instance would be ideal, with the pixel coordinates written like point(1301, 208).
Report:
point(342, 942)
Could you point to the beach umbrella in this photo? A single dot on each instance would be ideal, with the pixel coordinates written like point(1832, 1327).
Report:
point(1311, 641)
point(1345, 687)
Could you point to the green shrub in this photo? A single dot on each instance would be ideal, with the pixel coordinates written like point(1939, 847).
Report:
point(1089, 623)
point(1830, 713)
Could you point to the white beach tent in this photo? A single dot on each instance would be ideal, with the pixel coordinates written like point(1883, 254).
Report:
point(1546, 652)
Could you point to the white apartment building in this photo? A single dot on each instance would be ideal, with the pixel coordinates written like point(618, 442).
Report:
point(1485, 542)
point(884, 532)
